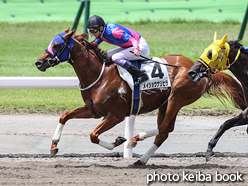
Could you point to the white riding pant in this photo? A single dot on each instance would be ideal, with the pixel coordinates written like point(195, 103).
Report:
point(124, 53)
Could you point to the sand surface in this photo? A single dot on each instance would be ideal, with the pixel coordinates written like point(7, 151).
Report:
point(26, 140)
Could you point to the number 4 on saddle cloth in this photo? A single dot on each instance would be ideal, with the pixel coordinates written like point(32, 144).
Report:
point(158, 79)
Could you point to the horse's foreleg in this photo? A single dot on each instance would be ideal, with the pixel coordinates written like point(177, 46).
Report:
point(81, 112)
point(141, 136)
point(164, 128)
point(241, 119)
point(160, 138)
point(56, 137)
point(107, 123)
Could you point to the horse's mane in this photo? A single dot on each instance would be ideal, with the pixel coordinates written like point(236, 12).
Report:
point(103, 53)
point(82, 38)
point(237, 45)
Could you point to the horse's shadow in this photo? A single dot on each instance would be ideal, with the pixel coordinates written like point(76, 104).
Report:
point(180, 167)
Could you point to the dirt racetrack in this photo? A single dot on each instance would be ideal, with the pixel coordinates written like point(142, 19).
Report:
point(26, 139)
point(116, 171)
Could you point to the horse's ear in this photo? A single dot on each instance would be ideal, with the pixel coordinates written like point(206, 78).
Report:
point(84, 35)
point(81, 37)
point(67, 30)
point(223, 40)
point(215, 36)
point(69, 34)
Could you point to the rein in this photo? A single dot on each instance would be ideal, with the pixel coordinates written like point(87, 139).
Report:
point(92, 84)
point(55, 58)
point(228, 61)
point(105, 61)
point(154, 61)
point(236, 58)
point(103, 65)
point(71, 59)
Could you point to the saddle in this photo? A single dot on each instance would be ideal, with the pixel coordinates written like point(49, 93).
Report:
point(158, 79)
point(154, 68)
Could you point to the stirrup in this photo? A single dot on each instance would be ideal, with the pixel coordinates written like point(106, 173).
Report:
point(141, 79)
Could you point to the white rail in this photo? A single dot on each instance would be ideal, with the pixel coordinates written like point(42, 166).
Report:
point(38, 82)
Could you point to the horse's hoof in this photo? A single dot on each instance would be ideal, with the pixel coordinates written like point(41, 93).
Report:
point(54, 152)
point(131, 144)
point(209, 155)
point(121, 139)
point(138, 163)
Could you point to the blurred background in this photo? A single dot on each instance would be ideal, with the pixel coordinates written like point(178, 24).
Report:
point(184, 27)
point(123, 10)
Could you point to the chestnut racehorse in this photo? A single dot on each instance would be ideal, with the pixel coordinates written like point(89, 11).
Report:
point(107, 95)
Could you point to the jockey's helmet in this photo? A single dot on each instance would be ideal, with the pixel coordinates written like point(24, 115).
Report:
point(95, 21)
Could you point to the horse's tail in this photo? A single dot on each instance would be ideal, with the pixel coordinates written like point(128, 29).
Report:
point(224, 85)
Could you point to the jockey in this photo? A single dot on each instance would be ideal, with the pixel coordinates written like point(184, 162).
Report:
point(123, 37)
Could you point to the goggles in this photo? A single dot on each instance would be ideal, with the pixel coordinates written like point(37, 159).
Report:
point(93, 31)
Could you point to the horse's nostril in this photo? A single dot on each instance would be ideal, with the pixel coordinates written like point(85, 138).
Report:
point(37, 63)
point(39, 66)
point(191, 73)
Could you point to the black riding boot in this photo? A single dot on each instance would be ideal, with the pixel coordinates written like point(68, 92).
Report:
point(141, 75)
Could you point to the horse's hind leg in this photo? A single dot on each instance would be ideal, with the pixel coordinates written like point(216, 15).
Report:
point(81, 112)
point(241, 119)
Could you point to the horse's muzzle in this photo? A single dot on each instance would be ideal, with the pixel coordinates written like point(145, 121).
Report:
point(42, 66)
point(194, 76)
point(197, 71)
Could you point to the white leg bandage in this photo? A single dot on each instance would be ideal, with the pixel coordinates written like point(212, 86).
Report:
point(57, 134)
point(148, 154)
point(144, 135)
point(109, 146)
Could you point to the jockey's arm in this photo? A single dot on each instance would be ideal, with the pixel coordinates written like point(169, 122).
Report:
point(135, 46)
point(96, 42)
point(119, 33)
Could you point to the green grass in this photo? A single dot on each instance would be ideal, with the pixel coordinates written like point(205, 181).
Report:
point(39, 100)
point(22, 43)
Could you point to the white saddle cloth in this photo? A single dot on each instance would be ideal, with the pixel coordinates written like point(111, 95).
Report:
point(157, 73)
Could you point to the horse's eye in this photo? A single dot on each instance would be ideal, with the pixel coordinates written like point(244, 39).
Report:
point(209, 54)
point(56, 46)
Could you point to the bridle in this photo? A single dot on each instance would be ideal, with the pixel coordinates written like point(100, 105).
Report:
point(212, 70)
point(56, 58)
point(103, 66)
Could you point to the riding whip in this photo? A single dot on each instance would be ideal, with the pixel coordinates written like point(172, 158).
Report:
point(154, 61)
